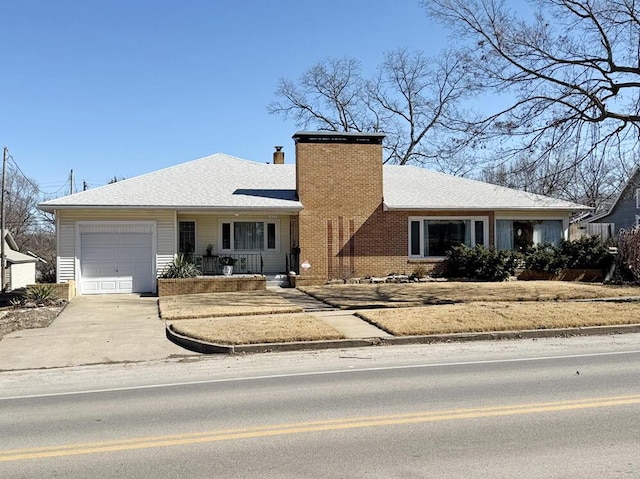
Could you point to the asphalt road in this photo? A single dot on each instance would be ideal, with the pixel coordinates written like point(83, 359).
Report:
point(547, 408)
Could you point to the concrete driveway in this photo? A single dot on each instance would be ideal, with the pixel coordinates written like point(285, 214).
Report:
point(92, 330)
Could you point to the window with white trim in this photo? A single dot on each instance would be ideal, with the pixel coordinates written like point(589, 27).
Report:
point(637, 197)
point(433, 237)
point(249, 236)
point(519, 235)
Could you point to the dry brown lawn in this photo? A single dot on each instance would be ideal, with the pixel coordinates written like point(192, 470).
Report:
point(361, 296)
point(501, 316)
point(212, 305)
point(407, 309)
point(282, 328)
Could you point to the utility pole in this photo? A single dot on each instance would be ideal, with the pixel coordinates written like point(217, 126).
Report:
point(71, 182)
point(3, 257)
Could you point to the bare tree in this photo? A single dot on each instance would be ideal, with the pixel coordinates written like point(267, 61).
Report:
point(21, 198)
point(32, 229)
point(570, 66)
point(328, 96)
point(115, 179)
point(417, 98)
point(413, 99)
point(593, 182)
point(629, 251)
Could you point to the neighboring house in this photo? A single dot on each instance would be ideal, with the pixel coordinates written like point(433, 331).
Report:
point(336, 212)
point(21, 268)
point(624, 213)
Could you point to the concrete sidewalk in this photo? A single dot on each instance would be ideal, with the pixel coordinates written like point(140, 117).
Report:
point(345, 322)
point(92, 330)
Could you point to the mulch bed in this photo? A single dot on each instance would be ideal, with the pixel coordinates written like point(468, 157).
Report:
point(16, 319)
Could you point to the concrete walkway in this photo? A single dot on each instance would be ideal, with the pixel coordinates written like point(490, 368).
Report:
point(345, 322)
point(307, 302)
point(92, 330)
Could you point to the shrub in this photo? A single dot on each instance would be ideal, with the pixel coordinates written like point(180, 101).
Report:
point(629, 253)
point(587, 252)
point(544, 257)
point(419, 271)
point(40, 294)
point(45, 272)
point(181, 267)
point(343, 273)
point(480, 263)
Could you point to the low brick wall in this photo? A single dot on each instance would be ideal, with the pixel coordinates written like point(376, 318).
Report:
point(584, 275)
point(210, 284)
point(66, 291)
point(297, 280)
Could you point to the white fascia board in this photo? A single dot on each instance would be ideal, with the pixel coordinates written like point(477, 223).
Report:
point(485, 208)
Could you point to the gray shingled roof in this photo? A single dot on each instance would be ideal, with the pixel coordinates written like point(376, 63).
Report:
point(11, 250)
point(223, 182)
point(412, 188)
point(215, 182)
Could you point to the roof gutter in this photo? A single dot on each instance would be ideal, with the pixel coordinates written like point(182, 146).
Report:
point(386, 207)
point(53, 208)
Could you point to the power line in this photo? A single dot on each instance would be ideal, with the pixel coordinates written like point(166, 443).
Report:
point(15, 163)
point(34, 185)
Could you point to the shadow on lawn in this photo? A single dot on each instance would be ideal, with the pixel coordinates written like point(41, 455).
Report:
point(375, 297)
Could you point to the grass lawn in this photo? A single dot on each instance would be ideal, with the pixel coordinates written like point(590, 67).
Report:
point(281, 328)
point(500, 316)
point(403, 310)
point(362, 296)
point(213, 305)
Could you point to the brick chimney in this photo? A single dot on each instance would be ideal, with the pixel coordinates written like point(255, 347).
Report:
point(278, 156)
point(339, 183)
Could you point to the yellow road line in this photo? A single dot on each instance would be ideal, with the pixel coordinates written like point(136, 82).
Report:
point(313, 426)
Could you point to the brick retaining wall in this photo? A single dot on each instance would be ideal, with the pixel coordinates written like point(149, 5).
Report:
point(66, 291)
point(212, 284)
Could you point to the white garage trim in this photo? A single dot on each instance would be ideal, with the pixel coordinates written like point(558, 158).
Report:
point(121, 238)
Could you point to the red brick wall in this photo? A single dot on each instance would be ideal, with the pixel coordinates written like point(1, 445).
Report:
point(382, 242)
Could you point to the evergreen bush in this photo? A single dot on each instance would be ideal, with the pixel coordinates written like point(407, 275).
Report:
point(585, 253)
point(480, 263)
point(544, 257)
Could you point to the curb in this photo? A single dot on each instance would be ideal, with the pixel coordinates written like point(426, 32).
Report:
point(195, 344)
point(524, 334)
point(205, 347)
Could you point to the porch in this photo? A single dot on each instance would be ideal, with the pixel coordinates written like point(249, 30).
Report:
point(243, 263)
point(251, 242)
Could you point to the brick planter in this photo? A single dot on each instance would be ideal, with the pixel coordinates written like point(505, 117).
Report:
point(212, 284)
point(298, 280)
point(66, 291)
point(584, 275)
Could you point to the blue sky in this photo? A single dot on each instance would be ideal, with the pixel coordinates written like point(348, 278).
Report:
point(124, 87)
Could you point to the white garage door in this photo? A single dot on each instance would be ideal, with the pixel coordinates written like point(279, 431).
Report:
point(116, 262)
